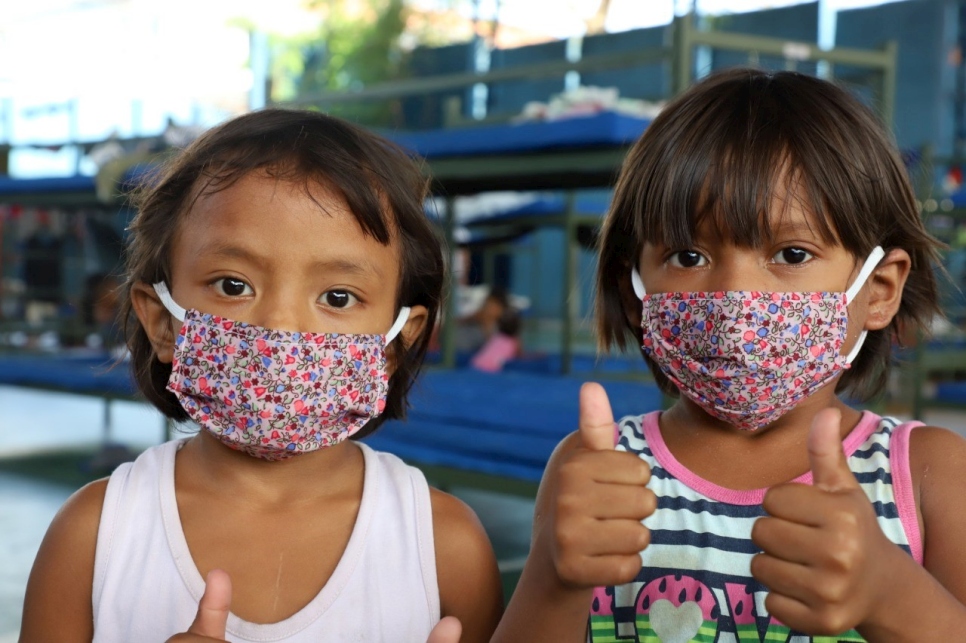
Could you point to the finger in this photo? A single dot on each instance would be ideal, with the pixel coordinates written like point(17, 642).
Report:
point(448, 630)
point(782, 577)
point(830, 468)
point(617, 501)
point(599, 571)
point(788, 541)
point(607, 467)
point(790, 612)
point(212, 617)
point(597, 430)
point(820, 621)
point(618, 538)
point(796, 502)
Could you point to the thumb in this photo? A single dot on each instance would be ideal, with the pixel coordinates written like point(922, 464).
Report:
point(448, 630)
point(213, 607)
point(830, 469)
point(596, 418)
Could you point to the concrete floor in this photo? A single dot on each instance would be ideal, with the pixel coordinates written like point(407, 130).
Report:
point(33, 421)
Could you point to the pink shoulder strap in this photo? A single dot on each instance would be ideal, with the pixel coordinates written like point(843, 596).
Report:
point(902, 486)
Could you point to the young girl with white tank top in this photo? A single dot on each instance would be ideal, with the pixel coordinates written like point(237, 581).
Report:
point(281, 290)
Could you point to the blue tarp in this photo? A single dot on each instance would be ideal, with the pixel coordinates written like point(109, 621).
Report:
point(10, 185)
point(504, 424)
point(605, 129)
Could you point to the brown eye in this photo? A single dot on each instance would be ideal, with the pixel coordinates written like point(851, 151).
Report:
point(687, 259)
point(339, 299)
point(231, 287)
point(792, 256)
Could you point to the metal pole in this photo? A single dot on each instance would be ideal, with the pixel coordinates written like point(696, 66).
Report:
point(107, 421)
point(489, 266)
point(570, 297)
point(889, 84)
point(681, 61)
point(448, 329)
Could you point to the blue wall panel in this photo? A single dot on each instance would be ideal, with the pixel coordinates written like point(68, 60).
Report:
point(923, 110)
point(426, 111)
point(510, 97)
point(797, 23)
point(652, 82)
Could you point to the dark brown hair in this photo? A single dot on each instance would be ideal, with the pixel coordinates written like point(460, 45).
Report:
point(382, 186)
point(722, 151)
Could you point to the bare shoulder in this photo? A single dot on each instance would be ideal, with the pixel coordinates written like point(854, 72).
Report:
point(469, 581)
point(934, 454)
point(937, 463)
point(57, 606)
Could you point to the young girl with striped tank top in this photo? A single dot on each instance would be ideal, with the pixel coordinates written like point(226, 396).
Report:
point(764, 250)
point(282, 279)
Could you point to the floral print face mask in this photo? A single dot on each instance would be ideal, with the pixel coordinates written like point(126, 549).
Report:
point(746, 357)
point(271, 393)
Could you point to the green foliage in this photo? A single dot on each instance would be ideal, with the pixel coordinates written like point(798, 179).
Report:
point(357, 46)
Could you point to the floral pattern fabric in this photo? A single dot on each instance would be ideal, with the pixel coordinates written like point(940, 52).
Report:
point(746, 357)
point(274, 394)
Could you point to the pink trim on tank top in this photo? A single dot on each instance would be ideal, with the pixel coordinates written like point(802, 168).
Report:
point(652, 433)
point(902, 487)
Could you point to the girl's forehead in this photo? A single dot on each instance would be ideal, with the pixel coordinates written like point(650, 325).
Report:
point(283, 223)
point(742, 215)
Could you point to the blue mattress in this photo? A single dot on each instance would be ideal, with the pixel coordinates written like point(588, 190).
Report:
point(951, 392)
point(604, 129)
point(593, 202)
point(551, 364)
point(504, 424)
point(89, 375)
point(10, 186)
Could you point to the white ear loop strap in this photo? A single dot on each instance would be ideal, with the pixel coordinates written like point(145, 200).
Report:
point(870, 264)
point(637, 284)
point(397, 325)
point(165, 295)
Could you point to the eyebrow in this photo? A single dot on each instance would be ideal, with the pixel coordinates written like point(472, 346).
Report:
point(340, 265)
point(230, 251)
point(346, 266)
point(794, 227)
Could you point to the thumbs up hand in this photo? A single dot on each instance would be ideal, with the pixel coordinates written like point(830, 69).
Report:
point(212, 617)
point(600, 501)
point(448, 630)
point(823, 552)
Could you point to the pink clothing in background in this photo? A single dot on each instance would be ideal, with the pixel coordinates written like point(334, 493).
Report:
point(496, 352)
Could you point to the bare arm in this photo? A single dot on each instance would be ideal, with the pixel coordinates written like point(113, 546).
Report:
point(469, 581)
point(57, 607)
point(927, 604)
point(543, 608)
point(587, 529)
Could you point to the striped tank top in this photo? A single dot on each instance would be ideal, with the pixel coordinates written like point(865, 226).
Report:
point(695, 583)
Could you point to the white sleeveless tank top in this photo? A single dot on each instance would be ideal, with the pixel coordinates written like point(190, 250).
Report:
point(146, 586)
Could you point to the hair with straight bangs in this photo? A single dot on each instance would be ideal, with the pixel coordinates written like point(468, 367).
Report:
point(722, 151)
point(382, 186)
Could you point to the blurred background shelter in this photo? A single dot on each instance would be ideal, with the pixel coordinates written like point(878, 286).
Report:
point(522, 110)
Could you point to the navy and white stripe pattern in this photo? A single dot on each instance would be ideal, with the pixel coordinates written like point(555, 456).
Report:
point(695, 582)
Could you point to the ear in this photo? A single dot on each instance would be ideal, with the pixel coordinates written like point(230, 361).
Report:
point(157, 322)
point(885, 289)
point(410, 333)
